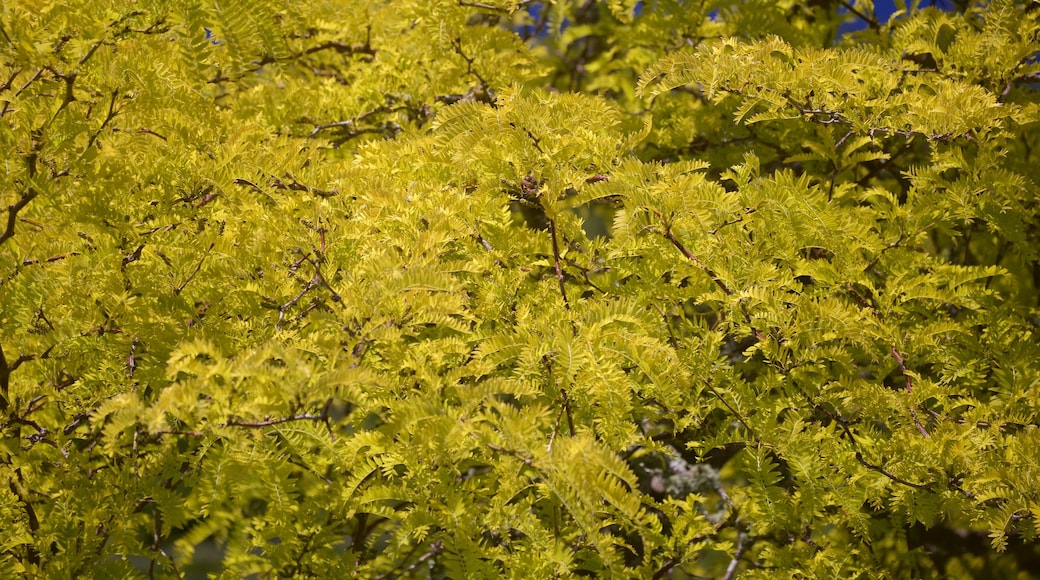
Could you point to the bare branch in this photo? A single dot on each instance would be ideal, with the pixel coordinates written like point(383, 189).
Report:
point(341, 48)
point(12, 213)
point(731, 570)
point(191, 276)
point(483, 6)
point(270, 422)
point(667, 233)
point(294, 185)
point(312, 284)
point(870, 19)
point(909, 388)
point(882, 471)
point(457, 44)
point(556, 263)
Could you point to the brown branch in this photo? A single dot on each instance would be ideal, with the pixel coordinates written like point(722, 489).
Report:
point(69, 97)
point(690, 256)
point(667, 233)
point(882, 471)
point(148, 131)
point(352, 122)
point(870, 19)
point(321, 280)
point(299, 463)
point(483, 242)
point(312, 284)
point(294, 185)
point(909, 389)
point(515, 454)
point(132, 257)
point(162, 432)
point(585, 271)
point(556, 263)
point(483, 6)
point(108, 119)
point(35, 404)
point(12, 213)
point(5, 381)
point(76, 422)
point(435, 548)
point(271, 422)
point(90, 53)
point(7, 368)
point(747, 211)
point(731, 409)
point(534, 140)
point(340, 47)
point(34, 78)
point(206, 199)
point(10, 80)
point(314, 305)
point(902, 368)
point(844, 424)
point(567, 409)
point(33, 262)
point(18, 488)
point(59, 257)
point(191, 276)
point(565, 404)
point(29, 194)
point(457, 45)
point(246, 182)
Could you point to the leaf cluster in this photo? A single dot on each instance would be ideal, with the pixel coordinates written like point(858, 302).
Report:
point(473, 289)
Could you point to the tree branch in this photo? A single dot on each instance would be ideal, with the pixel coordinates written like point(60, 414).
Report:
point(909, 389)
point(12, 213)
point(735, 413)
point(5, 381)
point(191, 276)
point(270, 422)
point(731, 570)
point(457, 45)
point(108, 119)
point(870, 19)
point(667, 233)
point(294, 185)
point(882, 471)
point(556, 263)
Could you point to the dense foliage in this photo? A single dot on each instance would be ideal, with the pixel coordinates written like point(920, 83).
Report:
point(447, 288)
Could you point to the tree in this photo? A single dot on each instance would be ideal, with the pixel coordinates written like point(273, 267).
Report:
point(479, 289)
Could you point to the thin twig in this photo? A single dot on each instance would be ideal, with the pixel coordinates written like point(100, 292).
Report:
point(731, 409)
point(667, 233)
point(567, 409)
point(870, 19)
point(341, 48)
point(435, 548)
point(278, 421)
point(690, 256)
point(556, 263)
point(191, 276)
point(909, 389)
point(882, 471)
point(108, 119)
point(515, 454)
point(902, 368)
point(457, 45)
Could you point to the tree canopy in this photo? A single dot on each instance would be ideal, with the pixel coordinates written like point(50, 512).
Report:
point(501, 288)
